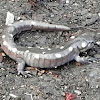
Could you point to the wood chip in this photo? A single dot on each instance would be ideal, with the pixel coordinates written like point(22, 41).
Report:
point(42, 71)
point(78, 64)
point(32, 68)
point(3, 54)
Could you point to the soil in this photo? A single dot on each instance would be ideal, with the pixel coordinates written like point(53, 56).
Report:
point(41, 39)
point(82, 80)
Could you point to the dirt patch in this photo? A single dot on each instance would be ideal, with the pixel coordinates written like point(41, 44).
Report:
point(52, 84)
point(41, 39)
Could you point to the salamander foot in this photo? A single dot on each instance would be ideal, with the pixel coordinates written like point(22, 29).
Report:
point(26, 74)
point(85, 59)
point(20, 68)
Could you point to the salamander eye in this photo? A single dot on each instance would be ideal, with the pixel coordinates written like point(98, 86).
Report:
point(84, 44)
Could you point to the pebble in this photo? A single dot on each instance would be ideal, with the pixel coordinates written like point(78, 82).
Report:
point(98, 42)
point(97, 86)
point(13, 0)
point(65, 87)
point(75, 4)
point(67, 1)
point(18, 18)
point(72, 37)
point(13, 95)
point(99, 14)
point(23, 86)
point(98, 33)
point(62, 93)
point(77, 92)
point(9, 18)
point(52, 15)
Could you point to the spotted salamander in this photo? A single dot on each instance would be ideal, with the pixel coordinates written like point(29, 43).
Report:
point(43, 57)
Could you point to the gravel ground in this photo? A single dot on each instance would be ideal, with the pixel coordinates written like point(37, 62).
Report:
point(52, 84)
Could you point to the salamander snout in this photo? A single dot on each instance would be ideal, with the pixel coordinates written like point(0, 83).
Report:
point(90, 44)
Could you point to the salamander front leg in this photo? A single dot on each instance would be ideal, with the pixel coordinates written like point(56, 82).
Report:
point(85, 59)
point(20, 68)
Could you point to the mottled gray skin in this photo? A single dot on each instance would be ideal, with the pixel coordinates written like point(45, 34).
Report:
point(43, 57)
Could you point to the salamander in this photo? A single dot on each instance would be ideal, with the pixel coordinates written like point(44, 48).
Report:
point(43, 57)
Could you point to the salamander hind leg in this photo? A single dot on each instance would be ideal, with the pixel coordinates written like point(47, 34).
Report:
point(20, 68)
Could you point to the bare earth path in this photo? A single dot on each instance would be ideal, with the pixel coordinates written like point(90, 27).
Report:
point(52, 84)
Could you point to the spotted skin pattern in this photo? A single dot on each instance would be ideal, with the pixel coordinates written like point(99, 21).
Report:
point(43, 57)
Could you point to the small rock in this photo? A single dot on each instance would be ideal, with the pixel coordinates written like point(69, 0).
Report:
point(9, 18)
point(75, 4)
point(72, 37)
point(98, 42)
point(13, 0)
point(67, 1)
point(98, 33)
point(52, 15)
point(62, 93)
point(97, 86)
point(65, 87)
point(18, 18)
point(77, 92)
point(23, 86)
point(99, 14)
point(13, 95)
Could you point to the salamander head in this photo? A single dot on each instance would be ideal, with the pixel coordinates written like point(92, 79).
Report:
point(86, 45)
